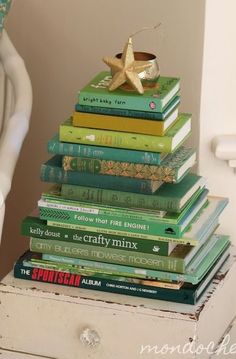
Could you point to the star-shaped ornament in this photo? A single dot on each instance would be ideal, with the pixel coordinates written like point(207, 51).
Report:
point(126, 69)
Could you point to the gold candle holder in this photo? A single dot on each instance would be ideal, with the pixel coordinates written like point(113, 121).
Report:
point(149, 76)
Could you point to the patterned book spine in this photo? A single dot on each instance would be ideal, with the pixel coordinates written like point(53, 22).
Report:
point(55, 174)
point(103, 153)
point(168, 172)
point(134, 141)
point(130, 113)
point(107, 255)
point(113, 286)
point(35, 227)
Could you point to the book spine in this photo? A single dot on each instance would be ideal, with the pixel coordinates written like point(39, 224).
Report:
point(58, 175)
point(103, 153)
point(133, 141)
point(105, 285)
point(128, 113)
point(156, 237)
point(149, 273)
point(123, 124)
point(107, 255)
point(115, 221)
point(137, 103)
point(116, 168)
point(119, 198)
point(30, 228)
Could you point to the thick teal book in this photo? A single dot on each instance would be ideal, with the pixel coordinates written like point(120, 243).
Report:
point(169, 197)
point(172, 169)
point(56, 147)
point(36, 227)
point(156, 99)
point(161, 116)
point(173, 138)
point(52, 171)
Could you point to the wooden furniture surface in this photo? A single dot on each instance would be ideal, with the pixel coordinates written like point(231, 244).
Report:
point(53, 321)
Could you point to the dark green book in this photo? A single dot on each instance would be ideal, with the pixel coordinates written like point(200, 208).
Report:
point(155, 99)
point(35, 227)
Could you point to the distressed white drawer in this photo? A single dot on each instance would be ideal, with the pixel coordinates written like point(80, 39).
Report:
point(48, 320)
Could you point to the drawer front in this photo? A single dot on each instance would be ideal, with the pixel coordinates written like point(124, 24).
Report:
point(66, 330)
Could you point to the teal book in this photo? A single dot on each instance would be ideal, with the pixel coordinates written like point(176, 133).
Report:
point(200, 252)
point(160, 116)
point(35, 227)
point(169, 197)
point(173, 138)
point(52, 171)
point(172, 169)
point(156, 99)
point(56, 147)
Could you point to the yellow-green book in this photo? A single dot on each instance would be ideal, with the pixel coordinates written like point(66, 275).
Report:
point(124, 124)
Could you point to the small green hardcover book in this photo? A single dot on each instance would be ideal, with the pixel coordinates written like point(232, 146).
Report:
point(173, 138)
point(160, 116)
point(155, 99)
point(172, 169)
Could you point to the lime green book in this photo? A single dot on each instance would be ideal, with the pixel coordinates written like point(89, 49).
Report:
point(173, 138)
point(155, 99)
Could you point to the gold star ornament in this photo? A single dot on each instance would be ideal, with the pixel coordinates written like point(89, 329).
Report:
point(126, 69)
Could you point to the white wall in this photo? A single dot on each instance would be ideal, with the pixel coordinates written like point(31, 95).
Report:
point(62, 43)
point(218, 102)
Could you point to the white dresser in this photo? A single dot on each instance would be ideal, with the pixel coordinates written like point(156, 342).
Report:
point(51, 321)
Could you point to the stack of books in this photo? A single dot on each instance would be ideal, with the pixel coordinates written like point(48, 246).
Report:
point(124, 213)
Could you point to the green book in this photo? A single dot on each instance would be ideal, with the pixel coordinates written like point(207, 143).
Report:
point(169, 197)
point(153, 261)
point(35, 227)
point(187, 294)
point(96, 93)
point(172, 168)
point(52, 171)
point(210, 264)
point(160, 116)
point(57, 147)
point(193, 258)
point(130, 221)
point(173, 138)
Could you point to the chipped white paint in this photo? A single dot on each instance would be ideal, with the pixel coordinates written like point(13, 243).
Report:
point(48, 320)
